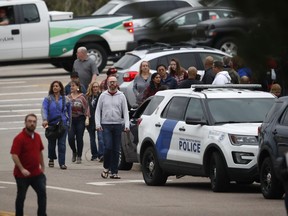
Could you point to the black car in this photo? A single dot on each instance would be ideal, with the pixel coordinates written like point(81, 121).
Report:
point(130, 140)
point(177, 25)
point(224, 34)
point(273, 143)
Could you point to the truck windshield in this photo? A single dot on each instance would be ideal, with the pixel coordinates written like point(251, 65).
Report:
point(240, 110)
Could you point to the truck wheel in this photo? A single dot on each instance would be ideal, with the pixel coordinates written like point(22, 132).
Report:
point(152, 173)
point(98, 54)
point(123, 165)
point(218, 176)
point(227, 45)
point(271, 187)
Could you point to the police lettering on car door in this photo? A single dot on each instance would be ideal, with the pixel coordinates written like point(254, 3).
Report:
point(189, 145)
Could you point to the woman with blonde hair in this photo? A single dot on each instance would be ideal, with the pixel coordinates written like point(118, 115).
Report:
point(141, 81)
point(93, 94)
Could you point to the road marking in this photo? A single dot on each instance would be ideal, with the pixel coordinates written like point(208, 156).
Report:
point(24, 93)
point(110, 183)
point(24, 86)
point(21, 105)
point(23, 99)
point(11, 116)
point(4, 213)
point(59, 188)
point(23, 110)
point(74, 191)
point(9, 83)
point(19, 128)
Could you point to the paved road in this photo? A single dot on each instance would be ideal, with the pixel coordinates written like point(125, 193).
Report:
point(80, 190)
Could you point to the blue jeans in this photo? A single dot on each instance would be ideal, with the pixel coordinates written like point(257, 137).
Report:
point(38, 183)
point(100, 139)
point(61, 148)
point(93, 146)
point(77, 129)
point(112, 143)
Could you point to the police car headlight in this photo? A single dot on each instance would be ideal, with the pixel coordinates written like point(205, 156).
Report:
point(243, 140)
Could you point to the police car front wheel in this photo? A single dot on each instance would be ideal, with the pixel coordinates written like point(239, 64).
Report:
point(152, 173)
point(218, 175)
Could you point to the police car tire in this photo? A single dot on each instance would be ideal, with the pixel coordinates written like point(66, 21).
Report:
point(151, 170)
point(218, 175)
point(273, 188)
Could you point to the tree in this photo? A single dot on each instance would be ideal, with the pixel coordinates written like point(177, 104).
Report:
point(79, 8)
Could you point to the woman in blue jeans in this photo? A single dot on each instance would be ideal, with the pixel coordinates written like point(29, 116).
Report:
point(80, 119)
point(93, 94)
point(56, 107)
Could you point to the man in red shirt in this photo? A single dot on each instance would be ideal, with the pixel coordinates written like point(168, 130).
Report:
point(29, 168)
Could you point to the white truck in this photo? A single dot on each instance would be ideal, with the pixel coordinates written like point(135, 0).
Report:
point(36, 35)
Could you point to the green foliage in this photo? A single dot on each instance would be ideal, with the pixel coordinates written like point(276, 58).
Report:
point(79, 8)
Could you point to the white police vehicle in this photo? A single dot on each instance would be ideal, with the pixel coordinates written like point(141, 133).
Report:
point(208, 131)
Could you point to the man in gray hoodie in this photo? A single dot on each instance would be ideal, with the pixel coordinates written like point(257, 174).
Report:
point(222, 77)
point(111, 108)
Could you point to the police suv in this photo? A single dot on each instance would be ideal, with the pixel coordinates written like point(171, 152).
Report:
point(208, 131)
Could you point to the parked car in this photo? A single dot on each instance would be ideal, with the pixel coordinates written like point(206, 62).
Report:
point(129, 140)
point(177, 25)
point(143, 10)
point(128, 66)
point(223, 34)
point(273, 143)
point(208, 131)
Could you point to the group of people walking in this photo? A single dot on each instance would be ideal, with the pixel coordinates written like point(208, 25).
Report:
point(217, 72)
point(71, 108)
point(102, 109)
point(175, 76)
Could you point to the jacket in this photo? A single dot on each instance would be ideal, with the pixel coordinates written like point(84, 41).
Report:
point(52, 110)
point(111, 108)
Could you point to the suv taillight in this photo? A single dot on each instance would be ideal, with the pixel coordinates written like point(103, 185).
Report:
point(129, 26)
point(259, 130)
point(139, 121)
point(129, 76)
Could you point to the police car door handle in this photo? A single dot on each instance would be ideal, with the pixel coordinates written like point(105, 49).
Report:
point(15, 31)
point(158, 125)
point(182, 129)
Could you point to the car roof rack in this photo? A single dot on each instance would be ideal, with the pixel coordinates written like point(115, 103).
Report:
point(200, 87)
point(158, 46)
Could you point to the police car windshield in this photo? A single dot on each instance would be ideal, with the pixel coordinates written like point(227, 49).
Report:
point(240, 110)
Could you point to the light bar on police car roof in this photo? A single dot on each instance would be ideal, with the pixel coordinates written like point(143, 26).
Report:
point(200, 87)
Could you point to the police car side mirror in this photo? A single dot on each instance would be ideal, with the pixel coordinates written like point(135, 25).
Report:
point(195, 121)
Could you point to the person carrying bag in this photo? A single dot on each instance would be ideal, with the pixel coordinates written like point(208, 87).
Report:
point(56, 115)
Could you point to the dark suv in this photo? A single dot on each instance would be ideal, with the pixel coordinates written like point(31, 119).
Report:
point(273, 141)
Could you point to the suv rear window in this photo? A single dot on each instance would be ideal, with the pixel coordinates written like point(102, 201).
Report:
point(175, 110)
point(126, 61)
point(154, 103)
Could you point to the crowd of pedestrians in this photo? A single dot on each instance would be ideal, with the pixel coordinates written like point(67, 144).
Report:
point(229, 70)
point(102, 109)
